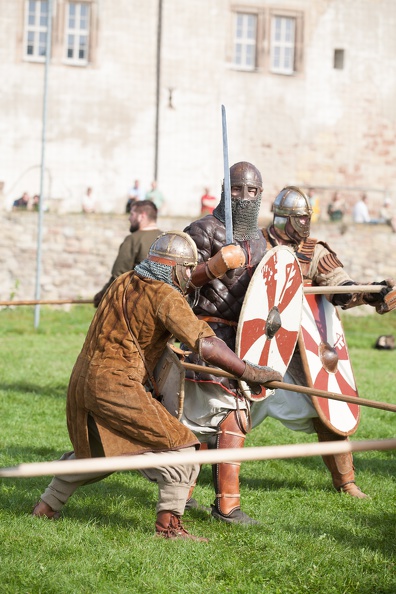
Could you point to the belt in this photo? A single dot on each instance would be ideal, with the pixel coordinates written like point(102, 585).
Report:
point(217, 320)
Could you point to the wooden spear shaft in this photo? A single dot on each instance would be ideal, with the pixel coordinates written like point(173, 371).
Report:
point(300, 389)
point(150, 460)
point(331, 290)
point(307, 290)
point(46, 302)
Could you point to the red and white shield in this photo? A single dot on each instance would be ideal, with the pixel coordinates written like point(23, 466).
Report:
point(327, 365)
point(270, 318)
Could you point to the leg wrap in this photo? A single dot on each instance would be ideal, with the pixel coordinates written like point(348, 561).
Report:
point(203, 446)
point(340, 465)
point(231, 434)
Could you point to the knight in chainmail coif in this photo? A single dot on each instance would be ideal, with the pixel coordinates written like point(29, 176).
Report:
point(110, 412)
point(214, 408)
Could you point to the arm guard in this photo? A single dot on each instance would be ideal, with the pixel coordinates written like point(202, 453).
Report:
point(214, 351)
point(228, 257)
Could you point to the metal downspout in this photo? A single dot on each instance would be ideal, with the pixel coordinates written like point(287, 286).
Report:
point(158, 84)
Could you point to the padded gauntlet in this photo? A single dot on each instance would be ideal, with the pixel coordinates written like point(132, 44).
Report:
point(229, 257)
point(256, 375)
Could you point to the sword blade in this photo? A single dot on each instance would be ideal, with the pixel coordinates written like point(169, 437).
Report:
point(227, 182)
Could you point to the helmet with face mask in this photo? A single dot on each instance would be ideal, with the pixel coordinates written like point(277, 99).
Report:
point(292, 214)
point(245, 203)
point(171, 259)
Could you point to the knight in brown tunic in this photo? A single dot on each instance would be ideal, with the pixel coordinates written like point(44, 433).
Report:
point(110, 411)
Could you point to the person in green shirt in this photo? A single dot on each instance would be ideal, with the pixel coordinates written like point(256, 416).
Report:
point(134, 249)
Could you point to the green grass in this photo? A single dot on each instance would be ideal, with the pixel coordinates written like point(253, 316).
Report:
point(311, 539)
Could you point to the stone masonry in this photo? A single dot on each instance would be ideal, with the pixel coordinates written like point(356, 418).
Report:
point(78, 251)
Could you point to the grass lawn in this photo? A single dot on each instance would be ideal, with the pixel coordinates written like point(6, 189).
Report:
point(311, 539)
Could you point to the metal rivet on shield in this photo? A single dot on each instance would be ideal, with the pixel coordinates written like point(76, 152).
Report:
point(328, 357)
point(273, 323)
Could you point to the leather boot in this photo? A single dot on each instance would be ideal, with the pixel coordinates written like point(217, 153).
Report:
point(169, 525)
point(340, 465)
point(43, 510)
point(227, 506)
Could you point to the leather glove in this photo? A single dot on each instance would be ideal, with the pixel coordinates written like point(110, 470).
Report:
point(384, 301)
point(229, 257)
point(377, 298)
point(256, 375)
point(343, 298)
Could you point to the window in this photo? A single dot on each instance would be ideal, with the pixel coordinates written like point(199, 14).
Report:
point(339, 59)
point(77, 32)
point(245, 41)
point(36, 27)
point(283, 34)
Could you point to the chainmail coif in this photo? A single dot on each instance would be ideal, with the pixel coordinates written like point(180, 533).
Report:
point(244, 217)
point(156, 271)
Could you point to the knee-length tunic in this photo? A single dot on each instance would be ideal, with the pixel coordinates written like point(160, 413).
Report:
point(108, 378)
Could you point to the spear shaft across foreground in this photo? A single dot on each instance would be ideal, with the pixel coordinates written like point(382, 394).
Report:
point(295, 388)
point(149, 460)
point(307, 290)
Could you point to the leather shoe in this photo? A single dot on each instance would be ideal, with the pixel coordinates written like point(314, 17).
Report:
point(43, 510)
point(169, 525)
point(237, 516)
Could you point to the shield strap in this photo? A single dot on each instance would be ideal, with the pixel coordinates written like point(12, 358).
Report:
point(215, 320)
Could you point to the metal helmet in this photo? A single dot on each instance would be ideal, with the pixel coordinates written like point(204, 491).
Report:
point(246, 190)
point(292, 214)
point(177, 250)
point(246, 175)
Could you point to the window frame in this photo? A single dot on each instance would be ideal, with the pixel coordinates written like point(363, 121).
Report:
point(298, 63)
point(264, 16)
point(244, 40)
point(281, 47)
point(339, 59)
point(77, 33)
point(37, 29)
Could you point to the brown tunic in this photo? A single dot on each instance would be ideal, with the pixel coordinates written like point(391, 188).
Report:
point(109, 375)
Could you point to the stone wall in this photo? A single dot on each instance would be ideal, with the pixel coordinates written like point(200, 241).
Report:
point(78, 251)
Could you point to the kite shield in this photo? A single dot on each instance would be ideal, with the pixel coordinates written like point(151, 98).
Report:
point(270, 318)
point(327, 365)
